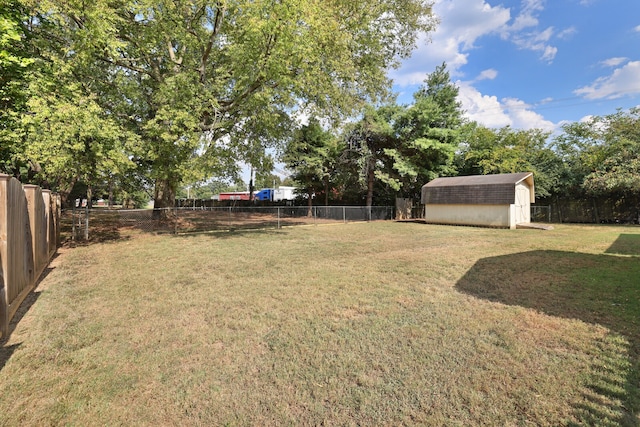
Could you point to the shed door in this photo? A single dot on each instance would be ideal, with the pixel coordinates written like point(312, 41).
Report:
point(523, 214)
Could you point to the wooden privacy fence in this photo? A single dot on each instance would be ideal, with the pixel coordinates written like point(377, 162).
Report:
point(29, 232)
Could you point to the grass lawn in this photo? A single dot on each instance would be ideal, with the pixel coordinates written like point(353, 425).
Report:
point(377, 323)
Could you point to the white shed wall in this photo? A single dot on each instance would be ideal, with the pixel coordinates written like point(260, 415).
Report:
point(482, 215)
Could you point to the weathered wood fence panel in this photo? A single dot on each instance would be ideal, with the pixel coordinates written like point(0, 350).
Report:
point(29, 220)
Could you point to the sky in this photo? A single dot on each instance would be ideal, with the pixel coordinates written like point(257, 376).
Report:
point(532, 63)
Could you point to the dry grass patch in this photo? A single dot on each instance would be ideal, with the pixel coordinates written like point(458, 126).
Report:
point(369, 324)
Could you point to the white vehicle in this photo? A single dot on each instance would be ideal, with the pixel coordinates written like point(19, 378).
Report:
point(284, 193)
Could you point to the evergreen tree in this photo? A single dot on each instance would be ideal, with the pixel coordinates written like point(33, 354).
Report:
point(312, 155)
point(428, 133)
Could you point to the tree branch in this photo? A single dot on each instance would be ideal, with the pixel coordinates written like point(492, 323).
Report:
point(217, 22)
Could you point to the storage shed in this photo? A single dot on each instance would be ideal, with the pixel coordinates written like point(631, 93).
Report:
point(502, 200)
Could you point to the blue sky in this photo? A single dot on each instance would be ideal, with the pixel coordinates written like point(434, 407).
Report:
point(532, 63)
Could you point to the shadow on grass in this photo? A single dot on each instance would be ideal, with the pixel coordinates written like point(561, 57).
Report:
point(234, 232)
point(104, 229)
point(115, 226)
point(7, 350)
point(626, 244)
point(597, 289)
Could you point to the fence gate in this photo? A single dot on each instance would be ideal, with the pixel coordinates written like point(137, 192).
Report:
point(541, 213)
point(79, 223)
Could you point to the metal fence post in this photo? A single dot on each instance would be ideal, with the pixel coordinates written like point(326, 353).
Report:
point(86, 221)
point(73, 221)
point(175, 220)
point(344, 214)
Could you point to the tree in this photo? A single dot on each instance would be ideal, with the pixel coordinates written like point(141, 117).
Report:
point(428, 133)
point(367, 143)
point(312, 155)
point(71, 137)
point(610, 153)
point(191, 78)
point(507, 150)
point(267, 180)
point(16, 63)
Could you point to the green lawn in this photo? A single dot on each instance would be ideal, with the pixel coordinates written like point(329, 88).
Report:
point(360, 324)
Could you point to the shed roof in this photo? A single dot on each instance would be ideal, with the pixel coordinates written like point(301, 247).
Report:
point(495, 189)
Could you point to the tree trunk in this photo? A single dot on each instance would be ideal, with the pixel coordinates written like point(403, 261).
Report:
point(110, 193)
point(371, 176)
point(64, 189)
point(164, 197)
point(326, 190)
point(310, 203)
point(251, 186)
point(89, 196)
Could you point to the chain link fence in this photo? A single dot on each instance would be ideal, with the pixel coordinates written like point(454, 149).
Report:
point(106, 224)
point(596, 210)
point(540, 213)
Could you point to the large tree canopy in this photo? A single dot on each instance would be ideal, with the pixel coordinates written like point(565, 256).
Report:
point(428, 134)
point(605, 152)
point(367, 142)
point(507, 150)
point(15, 64)
point(193, 78)
point(405, 147)
point(312, 155)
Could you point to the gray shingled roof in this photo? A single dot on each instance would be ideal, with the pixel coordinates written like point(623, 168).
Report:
point(496, 189)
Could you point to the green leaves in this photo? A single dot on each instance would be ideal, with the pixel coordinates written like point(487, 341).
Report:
point(199, 78)
point(313, 154)
point(428, 133)
point(506, 150)
point(617, 138)
point(603, 154)
point(16, 62)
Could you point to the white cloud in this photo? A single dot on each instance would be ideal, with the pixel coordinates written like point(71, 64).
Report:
point(613, 62)
point(528, 16)
point(483, 109)
point(637, 29)
point(533, 39)
point(489, 74)
point(566, 33)
point(623, 81)
point(549, 53)
point(462, 22)
point(494, 113)
point(522, 117)
point(536, 41)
